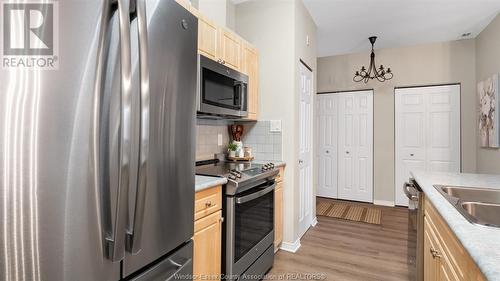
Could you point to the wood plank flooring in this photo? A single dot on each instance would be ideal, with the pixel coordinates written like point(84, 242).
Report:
point(345, 250)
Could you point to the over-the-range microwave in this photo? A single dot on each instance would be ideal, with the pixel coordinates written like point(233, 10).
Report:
point(222, 91)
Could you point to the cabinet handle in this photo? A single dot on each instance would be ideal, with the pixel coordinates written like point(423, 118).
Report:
point(411, 154)
point(223, 62)
point(347, 152)
point(208, 204)
point(435, 253)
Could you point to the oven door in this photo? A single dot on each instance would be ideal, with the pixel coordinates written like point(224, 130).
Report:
point(223, 91)
point(250, 228)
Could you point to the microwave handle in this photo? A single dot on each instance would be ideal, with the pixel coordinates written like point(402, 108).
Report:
point(241, 95)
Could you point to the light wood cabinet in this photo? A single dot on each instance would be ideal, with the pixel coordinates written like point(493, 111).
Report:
point(278, 210)
point(444, 256)
point(250, 66)
point(208, 38)
point(207, 234)
point(278, 215)
point(207, 201)
point(230, 49)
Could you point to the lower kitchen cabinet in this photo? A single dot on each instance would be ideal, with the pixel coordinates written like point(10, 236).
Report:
point(278, 210)
point(444, 256)
point(208, 236)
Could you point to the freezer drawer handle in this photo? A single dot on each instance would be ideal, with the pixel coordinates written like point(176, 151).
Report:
point(134, 233)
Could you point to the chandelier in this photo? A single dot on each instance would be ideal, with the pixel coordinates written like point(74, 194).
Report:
point(372, 72)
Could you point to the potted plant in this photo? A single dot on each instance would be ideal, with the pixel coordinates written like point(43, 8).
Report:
point(231, 148)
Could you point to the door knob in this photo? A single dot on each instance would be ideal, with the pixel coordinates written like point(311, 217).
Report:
point(300, 161)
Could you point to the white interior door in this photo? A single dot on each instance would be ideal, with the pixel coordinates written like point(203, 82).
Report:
point(305, 150)
point(327, 113)
point(427, 132)
point(355, 146)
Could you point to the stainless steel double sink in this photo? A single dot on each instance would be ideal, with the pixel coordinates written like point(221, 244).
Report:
point(478, 205)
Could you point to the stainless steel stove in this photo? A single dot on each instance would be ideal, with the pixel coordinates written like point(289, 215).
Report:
point(248, 236)
point(241, 176)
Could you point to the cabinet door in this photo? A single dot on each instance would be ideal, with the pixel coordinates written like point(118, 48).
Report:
point(278, 215)
point(250, 66)
point(229, 49)
point(207, 247)
point(430, 262)
point(207, 37)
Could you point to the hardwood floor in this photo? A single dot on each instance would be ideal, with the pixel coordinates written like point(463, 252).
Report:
point(344, 250)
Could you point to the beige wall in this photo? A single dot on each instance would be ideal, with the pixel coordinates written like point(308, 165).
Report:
point(439, 63)
point(220, 11)
point(487, 64)
point(278, 30)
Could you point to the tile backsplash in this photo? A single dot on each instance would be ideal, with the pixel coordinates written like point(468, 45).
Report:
point(207, 132)
point(266, 145)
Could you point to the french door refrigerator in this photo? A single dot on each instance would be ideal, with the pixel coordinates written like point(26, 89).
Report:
point(97, 155)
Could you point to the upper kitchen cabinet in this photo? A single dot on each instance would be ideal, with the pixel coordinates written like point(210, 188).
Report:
point(208, 37)
point(229, 49)
point(250, 66)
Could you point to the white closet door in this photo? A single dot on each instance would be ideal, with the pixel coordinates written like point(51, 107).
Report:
point(410, 138)
point(327, 145)
point(305, 150)
point(355, 146)
point(427, 132)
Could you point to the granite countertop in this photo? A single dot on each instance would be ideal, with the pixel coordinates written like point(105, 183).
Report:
point(204, 182)
point(482, 243)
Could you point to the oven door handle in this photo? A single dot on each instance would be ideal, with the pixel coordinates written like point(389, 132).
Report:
point(250, 197)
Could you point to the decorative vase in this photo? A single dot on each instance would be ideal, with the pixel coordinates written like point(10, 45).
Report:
point(232, 153)
point(239, 149)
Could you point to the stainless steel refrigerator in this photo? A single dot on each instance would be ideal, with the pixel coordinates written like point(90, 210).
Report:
point(97, 154)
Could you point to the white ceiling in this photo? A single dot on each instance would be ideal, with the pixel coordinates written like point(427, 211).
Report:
point(345, 25)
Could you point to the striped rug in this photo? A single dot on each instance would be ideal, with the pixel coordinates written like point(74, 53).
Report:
point(348, 211)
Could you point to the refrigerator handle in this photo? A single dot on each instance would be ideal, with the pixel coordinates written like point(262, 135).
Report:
point(116, 243)
point(134, 234)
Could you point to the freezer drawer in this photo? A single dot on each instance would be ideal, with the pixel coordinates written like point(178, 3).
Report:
point(177, 266)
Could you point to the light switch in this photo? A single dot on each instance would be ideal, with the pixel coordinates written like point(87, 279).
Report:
point(219, 139)
point(275, 126)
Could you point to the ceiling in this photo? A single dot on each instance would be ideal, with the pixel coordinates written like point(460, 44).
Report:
point(345, 25)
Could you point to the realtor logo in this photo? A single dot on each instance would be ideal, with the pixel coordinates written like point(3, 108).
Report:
point(30, 35)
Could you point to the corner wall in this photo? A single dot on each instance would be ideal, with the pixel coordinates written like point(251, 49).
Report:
point(487, 64)
point(278, 29)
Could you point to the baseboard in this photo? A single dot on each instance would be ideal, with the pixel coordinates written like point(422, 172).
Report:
point(290, 247)
point(384, 203)
point(314, 221)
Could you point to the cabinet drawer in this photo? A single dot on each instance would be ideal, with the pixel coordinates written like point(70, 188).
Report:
point(207, 202)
